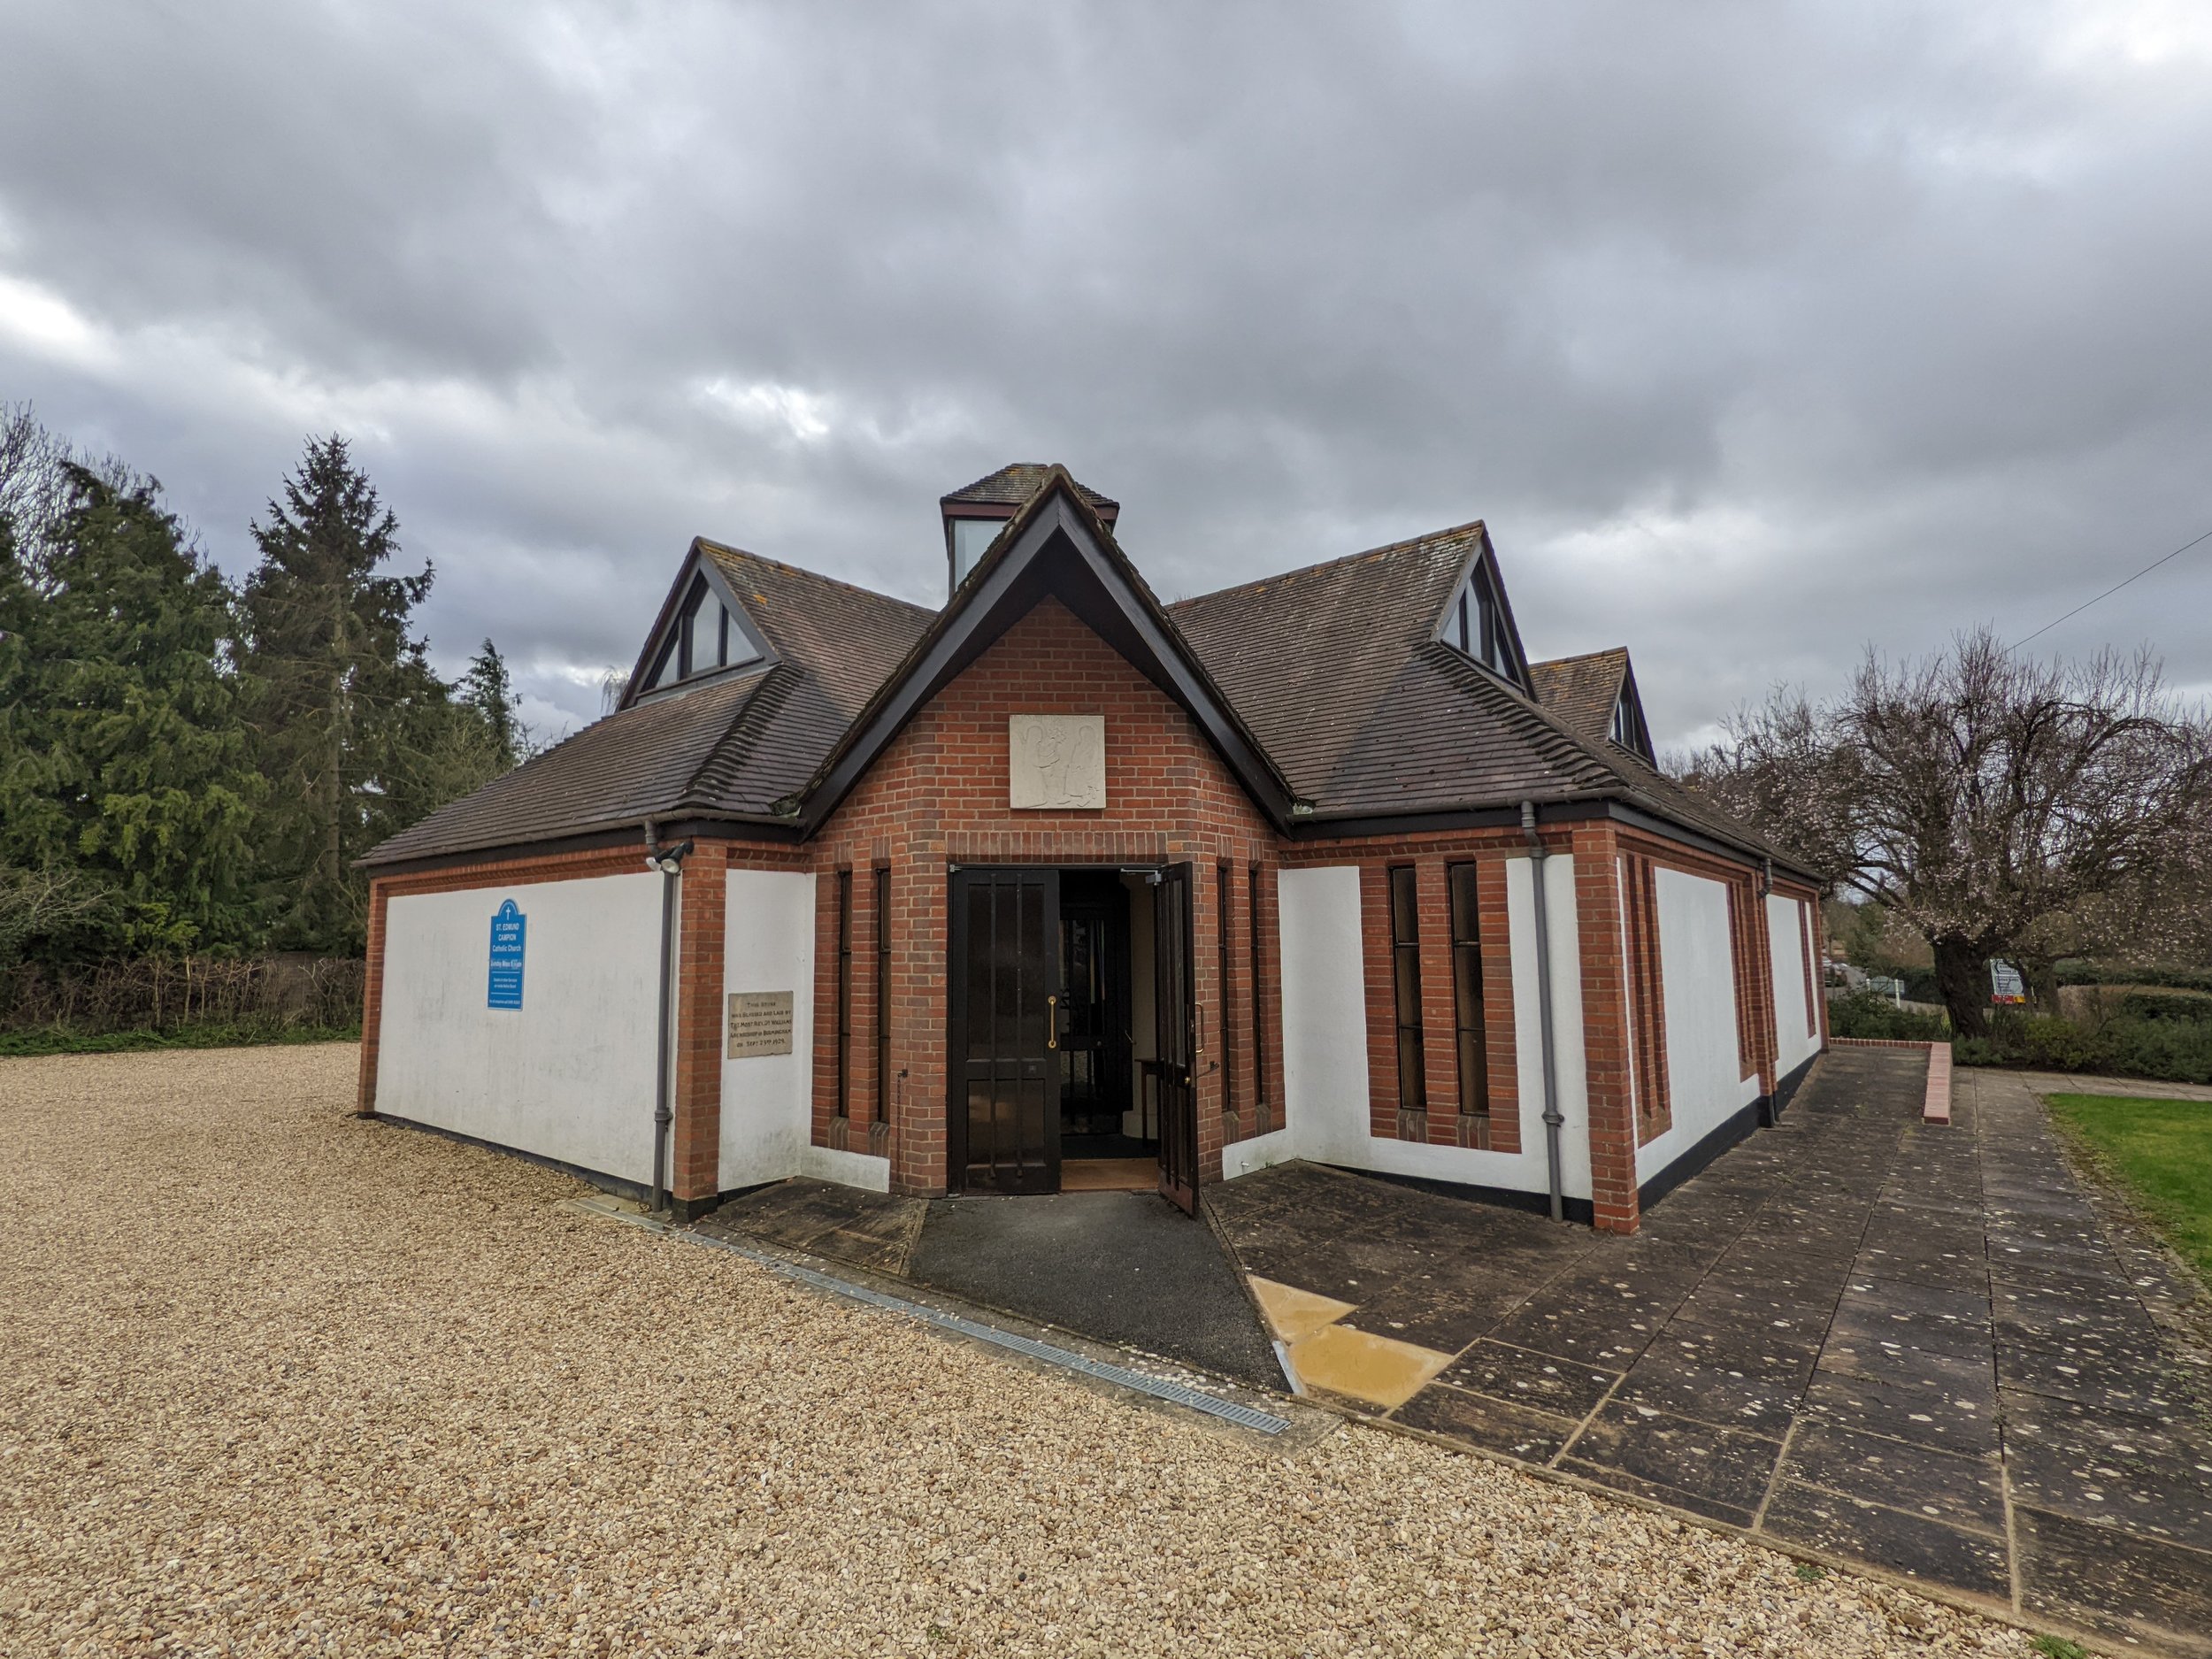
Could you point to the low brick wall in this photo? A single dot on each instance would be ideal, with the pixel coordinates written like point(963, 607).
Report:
point(1935, 1106)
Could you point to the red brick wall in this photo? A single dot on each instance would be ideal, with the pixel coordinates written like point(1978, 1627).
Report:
point(1431, 855)
point(937, 797)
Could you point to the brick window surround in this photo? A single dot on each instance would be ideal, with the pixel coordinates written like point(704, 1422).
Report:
point(1647, 997)
point(1405, 979)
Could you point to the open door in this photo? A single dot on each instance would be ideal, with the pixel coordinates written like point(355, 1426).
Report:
point(1005, 1057)
point(1178, 1037)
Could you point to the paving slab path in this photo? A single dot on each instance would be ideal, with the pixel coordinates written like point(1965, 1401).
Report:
point(1927, 1348)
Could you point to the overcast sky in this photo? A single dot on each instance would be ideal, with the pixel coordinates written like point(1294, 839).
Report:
point(1755, 332)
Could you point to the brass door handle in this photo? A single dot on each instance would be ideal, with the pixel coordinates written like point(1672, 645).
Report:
point(1052, 1022)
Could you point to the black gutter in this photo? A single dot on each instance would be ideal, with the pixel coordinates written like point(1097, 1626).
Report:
point(781, 831)
point(1553, 1117)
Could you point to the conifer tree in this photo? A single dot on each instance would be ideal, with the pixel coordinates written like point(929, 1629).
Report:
point(351, 719)
point(126, 765)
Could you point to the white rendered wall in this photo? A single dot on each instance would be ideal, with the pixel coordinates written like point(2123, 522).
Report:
point(1795, 1042)
point(768, 1100)
point(570, 1074)
point(1325, 1041)
point(1697, 977)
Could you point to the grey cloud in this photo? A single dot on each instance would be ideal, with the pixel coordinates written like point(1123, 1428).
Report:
point(1754, 331)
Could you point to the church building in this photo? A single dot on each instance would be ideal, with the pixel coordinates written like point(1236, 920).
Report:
point(1059, 887)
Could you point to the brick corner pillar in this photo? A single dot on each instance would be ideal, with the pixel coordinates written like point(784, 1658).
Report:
point(372, 998)
point(1608, 1064)
point(694, 1160)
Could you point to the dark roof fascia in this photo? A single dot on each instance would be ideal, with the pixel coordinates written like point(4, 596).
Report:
point(1430, 820)
point(673, 827)
point(1572, 809)
point(1755, 858)
point(1054, 512)
point(696, 559)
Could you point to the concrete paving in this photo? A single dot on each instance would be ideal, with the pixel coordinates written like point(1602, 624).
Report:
point(1926, 1348)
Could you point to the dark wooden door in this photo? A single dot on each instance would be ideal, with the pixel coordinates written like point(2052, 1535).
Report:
point(1005, 1113)
point(1178, 1041)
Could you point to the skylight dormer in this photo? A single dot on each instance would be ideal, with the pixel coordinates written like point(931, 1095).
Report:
point(1477, 626)
point(1628, 729)
point(706, 634)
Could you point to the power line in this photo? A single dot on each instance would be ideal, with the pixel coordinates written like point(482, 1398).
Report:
point(2107, 592)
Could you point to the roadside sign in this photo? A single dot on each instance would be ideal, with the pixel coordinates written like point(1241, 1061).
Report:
point(508, 927)
point(2007, 988)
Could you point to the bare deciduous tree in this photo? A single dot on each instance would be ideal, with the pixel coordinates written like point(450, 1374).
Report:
point(1999, 806)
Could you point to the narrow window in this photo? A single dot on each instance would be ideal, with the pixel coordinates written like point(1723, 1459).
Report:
point(844, 992)
point(1805, 959)
point(1226, 897)
point(1646, 1001)
point(883, 993)
point(1740, 959)
point(1259, 1004)
point(1474, 1049)
point(1405, 957)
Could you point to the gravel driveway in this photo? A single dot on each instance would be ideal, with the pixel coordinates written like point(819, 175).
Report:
point(273, 1380)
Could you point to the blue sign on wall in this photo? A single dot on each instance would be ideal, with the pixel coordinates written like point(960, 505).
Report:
point(507, 934)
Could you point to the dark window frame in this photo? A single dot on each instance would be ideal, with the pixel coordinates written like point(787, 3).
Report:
point(1471, 1032)
point(733, 642)
point(844, 993)
point(883, 993)
point(1402, 893)
point(1224, 897)
point(1259, 1007)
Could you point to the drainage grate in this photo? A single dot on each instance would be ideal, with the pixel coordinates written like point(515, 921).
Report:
point(1229, 1410)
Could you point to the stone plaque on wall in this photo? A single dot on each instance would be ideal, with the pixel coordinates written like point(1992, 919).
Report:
point(760, 1022)
point(1056, 763)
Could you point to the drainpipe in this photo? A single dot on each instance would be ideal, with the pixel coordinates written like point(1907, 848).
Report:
point(669, 862)
point(1553, 1117)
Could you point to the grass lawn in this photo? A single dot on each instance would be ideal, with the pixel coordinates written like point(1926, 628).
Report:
point(2162, 1150)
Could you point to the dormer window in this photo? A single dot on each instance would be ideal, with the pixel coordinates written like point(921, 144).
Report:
point(705, 639)
point(1476, 626)
point(1628, 729)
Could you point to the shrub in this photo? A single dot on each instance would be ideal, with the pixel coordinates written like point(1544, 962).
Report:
point(2172, 1051)
point(1871, 1014)
point(2149, 1005)
point(172, 994)
point(2076, 970)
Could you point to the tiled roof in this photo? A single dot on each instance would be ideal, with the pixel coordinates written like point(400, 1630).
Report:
point(728, 748)
point(1332, 671)
point(1010, 486)
point(1582, 691)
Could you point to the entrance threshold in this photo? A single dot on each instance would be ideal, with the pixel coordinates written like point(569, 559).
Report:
point(1110, 1175)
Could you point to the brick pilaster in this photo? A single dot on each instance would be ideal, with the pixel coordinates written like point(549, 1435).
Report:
point(696, 1137)
point(1606, 1060)
point(372, 998)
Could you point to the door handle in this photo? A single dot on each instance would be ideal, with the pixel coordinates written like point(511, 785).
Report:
point(1052, 1022)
